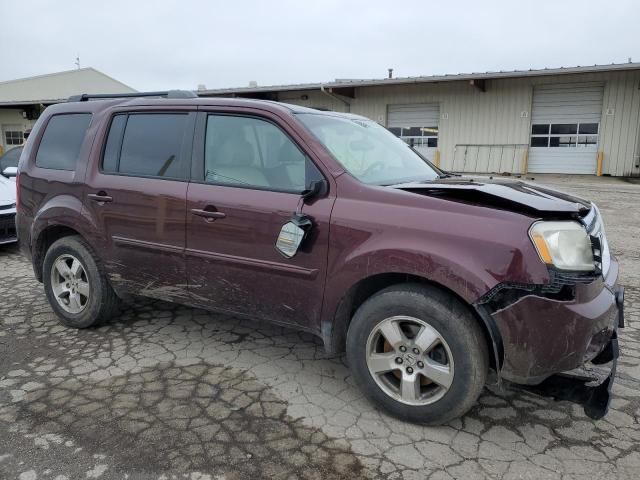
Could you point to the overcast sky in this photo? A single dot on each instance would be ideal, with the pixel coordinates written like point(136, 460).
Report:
point(180, 44)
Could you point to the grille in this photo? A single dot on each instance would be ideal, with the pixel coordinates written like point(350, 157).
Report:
point(7, 228)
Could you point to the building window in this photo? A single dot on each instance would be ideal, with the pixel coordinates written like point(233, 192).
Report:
point(13, 137)
point(417, 136)
point(564, 135)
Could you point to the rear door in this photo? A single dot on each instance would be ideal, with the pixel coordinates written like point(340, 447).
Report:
point(137, 190)
point(249, 171)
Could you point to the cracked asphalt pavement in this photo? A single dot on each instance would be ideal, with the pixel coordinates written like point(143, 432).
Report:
point(169, 392)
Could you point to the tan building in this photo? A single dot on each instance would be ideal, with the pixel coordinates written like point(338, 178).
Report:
point(563, 120)
point(22, 100)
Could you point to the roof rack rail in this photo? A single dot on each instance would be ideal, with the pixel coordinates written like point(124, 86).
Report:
point(167, 94)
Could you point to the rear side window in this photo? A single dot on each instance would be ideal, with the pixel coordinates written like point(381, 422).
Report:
point(60, 145)
point(148, 145)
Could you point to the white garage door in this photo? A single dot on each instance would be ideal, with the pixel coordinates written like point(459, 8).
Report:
point(565, 127)
point(416, 124)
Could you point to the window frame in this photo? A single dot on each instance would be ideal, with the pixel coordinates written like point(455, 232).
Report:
point(577, 145)
point(199, 147)
point(186, 146)
point(407, 138)
point(9, 143)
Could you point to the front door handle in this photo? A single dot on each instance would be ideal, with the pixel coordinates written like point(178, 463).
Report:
point(209, 215)
point(101, 197)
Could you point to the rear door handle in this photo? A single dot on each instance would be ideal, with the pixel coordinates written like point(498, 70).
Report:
point(100, 197)
point(209, 215)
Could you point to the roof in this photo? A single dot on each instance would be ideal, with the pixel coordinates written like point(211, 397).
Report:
point(56, 87)
point(93, 106)
point(426, 79)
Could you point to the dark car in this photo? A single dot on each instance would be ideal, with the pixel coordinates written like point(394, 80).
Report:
point(327, 223)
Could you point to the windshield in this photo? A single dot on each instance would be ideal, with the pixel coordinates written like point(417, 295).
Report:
point(368, 151)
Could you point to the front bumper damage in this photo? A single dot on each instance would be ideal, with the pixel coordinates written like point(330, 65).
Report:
point(559, 345)
point(586, 386)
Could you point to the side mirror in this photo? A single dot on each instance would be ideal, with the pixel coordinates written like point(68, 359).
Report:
point(314, 189)
point(10, 172)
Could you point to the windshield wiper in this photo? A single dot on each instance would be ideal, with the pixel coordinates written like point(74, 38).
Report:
point(448, 175)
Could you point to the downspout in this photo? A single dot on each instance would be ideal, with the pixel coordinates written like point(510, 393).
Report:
point(337, 97)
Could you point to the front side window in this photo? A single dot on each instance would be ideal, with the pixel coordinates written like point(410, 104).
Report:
point(250, 152)
point(60, 145)
point(368, 151)
point(147, 145)
point(558, 135)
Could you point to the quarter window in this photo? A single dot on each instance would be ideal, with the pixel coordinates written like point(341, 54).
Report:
point(246, 151)
point(13, 137)
point(417, 136)
point(558, 135)
point(147, 144)
point(60, 145)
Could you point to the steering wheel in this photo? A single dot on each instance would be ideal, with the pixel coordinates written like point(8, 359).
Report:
point(372, 167)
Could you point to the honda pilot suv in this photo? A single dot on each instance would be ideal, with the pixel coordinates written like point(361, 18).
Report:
point(327, 223)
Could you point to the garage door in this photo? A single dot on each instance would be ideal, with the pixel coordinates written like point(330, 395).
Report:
point(416, 124)
point(565, 127)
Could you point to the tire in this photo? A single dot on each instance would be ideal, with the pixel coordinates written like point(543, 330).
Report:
point(87, 298)
point(451, 348)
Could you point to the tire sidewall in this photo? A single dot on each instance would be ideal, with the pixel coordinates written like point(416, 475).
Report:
point(71, 246)
point(470, 357)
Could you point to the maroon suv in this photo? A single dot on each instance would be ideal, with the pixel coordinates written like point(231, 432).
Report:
point(328, 223)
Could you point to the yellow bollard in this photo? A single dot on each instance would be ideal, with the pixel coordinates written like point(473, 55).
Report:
point(436, 158)
point(599, 160)
point(525, 161)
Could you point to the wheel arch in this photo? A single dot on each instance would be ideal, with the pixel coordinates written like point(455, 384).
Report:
point(45, 238)
point(334, 332)
point(60, 216)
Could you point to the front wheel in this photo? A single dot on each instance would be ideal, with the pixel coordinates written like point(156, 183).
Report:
point(417, 352)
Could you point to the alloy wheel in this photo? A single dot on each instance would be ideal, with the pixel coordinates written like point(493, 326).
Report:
point(410, 360)
point(70, 284)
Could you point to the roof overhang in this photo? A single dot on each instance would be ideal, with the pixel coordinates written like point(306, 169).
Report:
point(29, 103)
point(477, 77)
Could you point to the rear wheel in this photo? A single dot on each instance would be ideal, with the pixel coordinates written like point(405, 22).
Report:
point(418, 353)
point(76, 288)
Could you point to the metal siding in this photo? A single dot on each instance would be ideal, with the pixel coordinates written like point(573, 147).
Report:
point(620, 130)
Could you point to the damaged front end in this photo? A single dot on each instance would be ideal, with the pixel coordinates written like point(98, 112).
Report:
point(589, 386)
point(560, 339)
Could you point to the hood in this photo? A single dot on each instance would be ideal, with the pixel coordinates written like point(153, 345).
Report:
point(7, 192)
point(504, 194)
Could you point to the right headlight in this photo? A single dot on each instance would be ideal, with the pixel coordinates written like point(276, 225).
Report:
point(564, 245)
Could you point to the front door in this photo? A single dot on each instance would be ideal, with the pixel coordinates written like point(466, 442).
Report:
point(249, 174)
point(137, 197)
